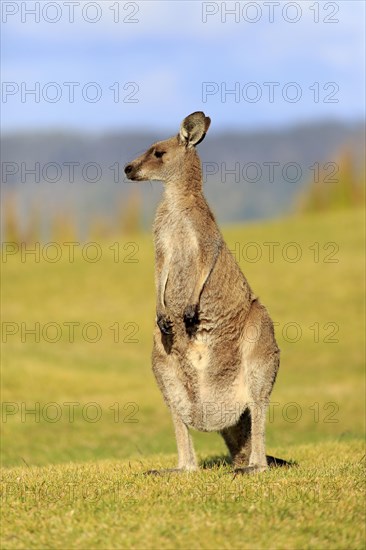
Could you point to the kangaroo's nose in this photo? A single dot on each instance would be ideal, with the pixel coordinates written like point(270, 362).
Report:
point(128, 169)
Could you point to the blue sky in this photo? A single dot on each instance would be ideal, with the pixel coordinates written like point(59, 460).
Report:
point(168, 54)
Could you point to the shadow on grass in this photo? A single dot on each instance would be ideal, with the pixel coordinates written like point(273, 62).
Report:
point(220, 461)
point(217, 461)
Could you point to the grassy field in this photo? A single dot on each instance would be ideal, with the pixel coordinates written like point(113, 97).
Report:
point(82, 418)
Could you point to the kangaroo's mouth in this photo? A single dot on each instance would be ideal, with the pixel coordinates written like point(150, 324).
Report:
point(132, 173)
point(136, 177)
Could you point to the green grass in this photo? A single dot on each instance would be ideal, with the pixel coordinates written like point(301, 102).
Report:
point(75, 483)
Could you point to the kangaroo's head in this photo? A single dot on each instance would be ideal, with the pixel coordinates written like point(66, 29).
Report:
point(175, 158)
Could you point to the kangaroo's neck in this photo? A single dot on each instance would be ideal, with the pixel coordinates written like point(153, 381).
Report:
point(186, 183)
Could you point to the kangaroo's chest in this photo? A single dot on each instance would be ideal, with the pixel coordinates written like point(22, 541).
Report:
point(176, 246)
point(176, 240)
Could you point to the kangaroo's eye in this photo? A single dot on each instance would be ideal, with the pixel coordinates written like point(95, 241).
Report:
point(159, 154)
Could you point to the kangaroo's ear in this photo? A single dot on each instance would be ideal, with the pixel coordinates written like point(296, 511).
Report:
point(193, 128)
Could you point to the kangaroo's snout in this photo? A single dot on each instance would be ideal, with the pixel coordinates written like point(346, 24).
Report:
point(129, 171)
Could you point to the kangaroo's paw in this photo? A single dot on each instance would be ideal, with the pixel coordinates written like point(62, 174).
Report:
point(190, 317)
point(165, 324)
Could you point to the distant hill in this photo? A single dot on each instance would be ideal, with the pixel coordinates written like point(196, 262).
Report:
point(249, 175)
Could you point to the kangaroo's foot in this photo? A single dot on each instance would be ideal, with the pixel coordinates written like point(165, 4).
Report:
point(272, 462)
point(165, 324)
point(249, 470)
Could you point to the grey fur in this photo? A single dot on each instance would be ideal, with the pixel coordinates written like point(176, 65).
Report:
point(215, 356)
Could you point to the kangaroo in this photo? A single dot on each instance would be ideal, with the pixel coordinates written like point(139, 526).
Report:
point(215, 357)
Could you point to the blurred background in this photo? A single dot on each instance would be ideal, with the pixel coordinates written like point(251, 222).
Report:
point(88, 86)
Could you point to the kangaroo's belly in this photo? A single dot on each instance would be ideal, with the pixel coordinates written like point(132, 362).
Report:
point(200, 390)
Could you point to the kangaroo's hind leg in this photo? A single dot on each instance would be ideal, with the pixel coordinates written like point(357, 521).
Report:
point(260, 390)
point(261, 362)
point(164, 370)
point(238, 440)
point(258, 459)
point(186, 456)
point(187, 461)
